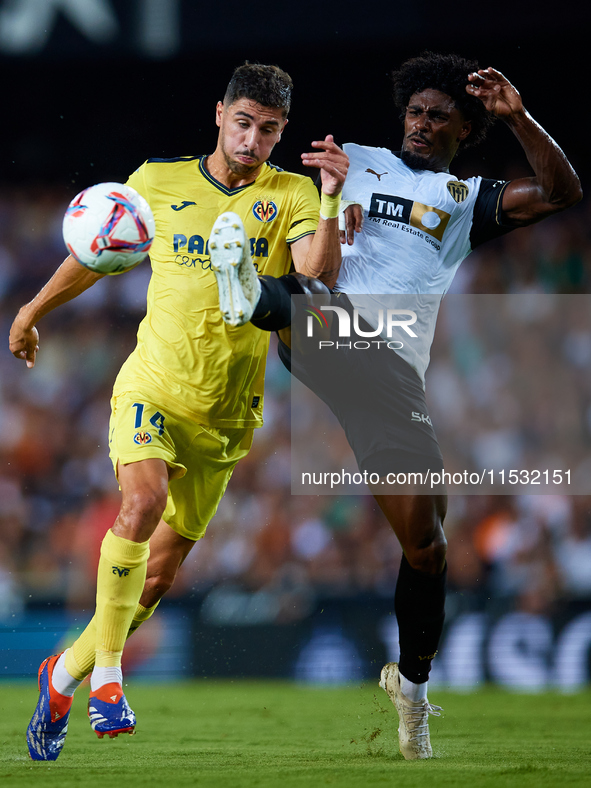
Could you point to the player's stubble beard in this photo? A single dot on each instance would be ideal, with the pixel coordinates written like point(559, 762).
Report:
point(414, 161)
point(237, 167)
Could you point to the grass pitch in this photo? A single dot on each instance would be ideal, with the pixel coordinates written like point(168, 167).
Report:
point(264, 734)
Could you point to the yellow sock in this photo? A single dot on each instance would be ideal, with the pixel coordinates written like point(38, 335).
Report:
point(141, 614)
point(80, 657)
point(120, 582)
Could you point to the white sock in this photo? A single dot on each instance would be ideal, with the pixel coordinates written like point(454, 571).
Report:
point(102, 676)
point(61, 679)
point(414, 692)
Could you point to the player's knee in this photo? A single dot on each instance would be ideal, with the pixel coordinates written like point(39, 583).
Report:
point(429, 558)
point(143, 506)
point(311, 286)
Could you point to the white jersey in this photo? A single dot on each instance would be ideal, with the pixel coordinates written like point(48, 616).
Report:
point(417, 230)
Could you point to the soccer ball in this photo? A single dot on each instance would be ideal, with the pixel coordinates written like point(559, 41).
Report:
point(109, 228)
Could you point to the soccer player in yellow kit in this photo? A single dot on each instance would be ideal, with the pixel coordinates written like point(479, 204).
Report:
point(187, 399)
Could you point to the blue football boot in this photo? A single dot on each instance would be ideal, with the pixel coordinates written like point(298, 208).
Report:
point(47, 730)
point(109, 712)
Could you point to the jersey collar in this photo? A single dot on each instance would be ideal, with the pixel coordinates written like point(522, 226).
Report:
point(224, 189)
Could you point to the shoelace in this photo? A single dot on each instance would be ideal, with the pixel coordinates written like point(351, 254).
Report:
point(417, 719)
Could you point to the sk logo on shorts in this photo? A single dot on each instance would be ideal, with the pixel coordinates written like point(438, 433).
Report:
point(142, 438)
point(265, 210)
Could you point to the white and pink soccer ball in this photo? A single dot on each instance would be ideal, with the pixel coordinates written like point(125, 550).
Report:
point(109, 228)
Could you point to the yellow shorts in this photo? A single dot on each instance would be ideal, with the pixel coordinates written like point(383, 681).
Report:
point(201, 458)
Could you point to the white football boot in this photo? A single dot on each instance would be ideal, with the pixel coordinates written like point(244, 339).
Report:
point(413, 727)
point(238, 284)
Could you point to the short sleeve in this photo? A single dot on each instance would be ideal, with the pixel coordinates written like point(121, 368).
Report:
point(488, 221)
point(137, 181)
point(305, 211)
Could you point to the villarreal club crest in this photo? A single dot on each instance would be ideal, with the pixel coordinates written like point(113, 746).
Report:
point(264, 210)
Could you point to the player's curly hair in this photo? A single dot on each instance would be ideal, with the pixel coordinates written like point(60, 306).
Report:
point(449, 74)
point(269, 86)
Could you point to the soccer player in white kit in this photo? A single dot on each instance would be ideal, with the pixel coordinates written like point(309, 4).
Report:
point(411, 225)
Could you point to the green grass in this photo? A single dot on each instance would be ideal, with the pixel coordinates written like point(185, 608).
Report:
point(242, 734)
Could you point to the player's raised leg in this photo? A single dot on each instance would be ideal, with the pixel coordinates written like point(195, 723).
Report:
point(236, 276)
point(245, 296)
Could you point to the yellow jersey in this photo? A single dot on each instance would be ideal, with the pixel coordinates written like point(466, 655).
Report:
point(187, 358)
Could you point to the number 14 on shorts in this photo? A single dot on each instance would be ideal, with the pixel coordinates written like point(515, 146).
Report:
point(157, 420)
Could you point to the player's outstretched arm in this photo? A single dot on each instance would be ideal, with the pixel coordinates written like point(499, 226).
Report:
point(319, 256)
point(69, 281)
point(555, 185)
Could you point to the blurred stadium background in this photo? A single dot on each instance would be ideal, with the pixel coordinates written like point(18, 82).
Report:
point(282, 585)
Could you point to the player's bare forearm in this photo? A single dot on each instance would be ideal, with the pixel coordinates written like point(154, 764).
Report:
point(70, 280)
point(323, 260)
point(319, 255)
point(555, 185)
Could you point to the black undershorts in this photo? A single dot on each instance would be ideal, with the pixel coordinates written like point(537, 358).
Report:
point(378, 399)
